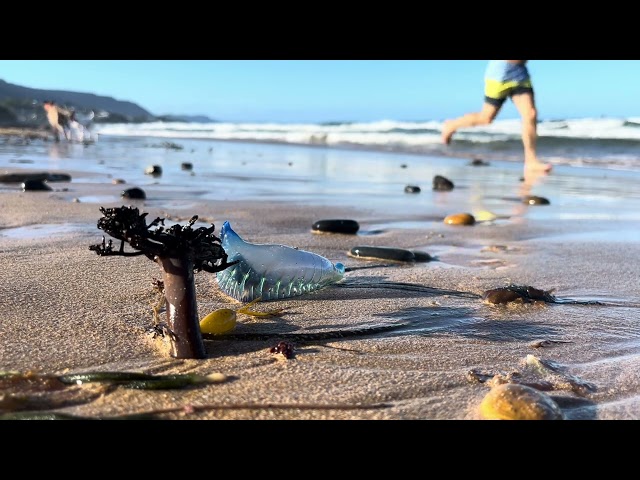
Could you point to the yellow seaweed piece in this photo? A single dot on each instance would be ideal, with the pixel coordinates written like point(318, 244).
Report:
point(224, 320)
point(219, 321)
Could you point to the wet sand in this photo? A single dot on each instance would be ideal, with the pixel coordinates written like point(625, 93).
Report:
point(66, 309)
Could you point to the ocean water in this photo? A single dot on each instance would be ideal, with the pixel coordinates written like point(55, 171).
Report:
point(609, 142)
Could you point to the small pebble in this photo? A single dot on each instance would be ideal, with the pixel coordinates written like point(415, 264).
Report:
point(411, 189)
point(155, 170)
point(533, 200)
point(134, 194)
point(460, 219)
point(186, 166)
point(441, 183)
point(478, 162)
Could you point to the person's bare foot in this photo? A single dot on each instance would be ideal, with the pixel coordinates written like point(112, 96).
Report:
point(537, 166)
point(447, 132)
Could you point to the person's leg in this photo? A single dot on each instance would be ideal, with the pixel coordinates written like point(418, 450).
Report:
point(525, 103)
point(57, 130)
point(495, 94)
point(483, 117)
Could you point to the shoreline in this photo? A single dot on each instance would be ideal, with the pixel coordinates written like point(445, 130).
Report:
point(68, 310)
point(32, 133)
point(446, 151)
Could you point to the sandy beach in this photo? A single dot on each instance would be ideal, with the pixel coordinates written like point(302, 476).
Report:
point(68, 310)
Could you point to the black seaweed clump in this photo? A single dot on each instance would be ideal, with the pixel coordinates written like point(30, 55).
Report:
point(180, 251)
point(129, 225)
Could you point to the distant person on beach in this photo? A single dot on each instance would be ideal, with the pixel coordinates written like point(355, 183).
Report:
point(59, 119)
point(506, 78)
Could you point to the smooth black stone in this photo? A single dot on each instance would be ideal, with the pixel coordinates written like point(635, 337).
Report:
point(386, 253)
point(134, 193)
point(412, 189)
point(336, 226)
point(421, 256)
point(187, 166)
point(22, 177)
point(533, 200)
point(441, 183)
point(34, 185)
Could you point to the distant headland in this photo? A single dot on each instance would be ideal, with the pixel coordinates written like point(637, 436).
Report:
point(21, 107)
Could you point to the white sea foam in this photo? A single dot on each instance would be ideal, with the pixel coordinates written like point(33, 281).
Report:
point(376, 132)
point(571, 141)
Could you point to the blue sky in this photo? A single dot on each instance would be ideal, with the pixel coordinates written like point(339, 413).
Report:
point(333, 90)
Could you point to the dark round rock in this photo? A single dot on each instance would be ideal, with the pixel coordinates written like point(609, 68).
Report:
point(34, 185)
point(385, 253)
point(533, 200)
point(421, 256)
point(153, 170)
point(134, 193)
point(478, 162)
point(336, 226)
point(442, 184)
point(187, 166)
point(411, 189)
